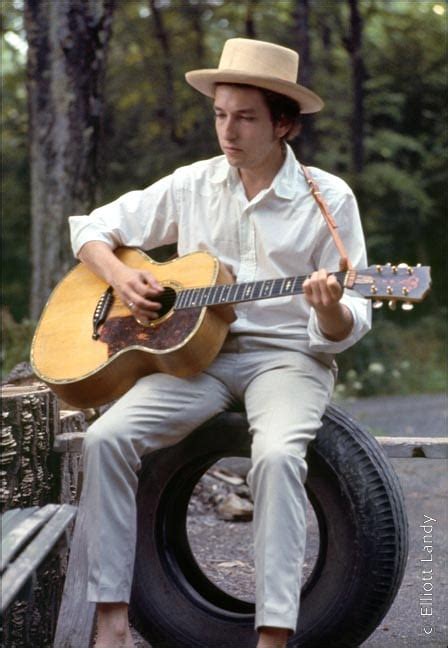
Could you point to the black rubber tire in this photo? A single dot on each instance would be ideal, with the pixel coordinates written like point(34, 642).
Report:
point(363, 542)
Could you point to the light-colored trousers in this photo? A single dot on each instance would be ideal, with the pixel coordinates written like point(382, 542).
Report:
point(285, 393)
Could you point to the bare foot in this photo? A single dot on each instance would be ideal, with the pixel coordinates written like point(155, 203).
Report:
point(273, 638)
point(113, 626)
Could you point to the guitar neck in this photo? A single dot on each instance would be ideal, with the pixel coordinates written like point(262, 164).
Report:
point(243, 292)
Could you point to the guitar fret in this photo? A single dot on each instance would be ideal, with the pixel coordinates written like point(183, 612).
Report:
point(288, 284)
point(277, 288)
point(231, 297)
point(248, 291)
point(223, 296)
point(181, 298)
point(206, 296)
point(267, 288)
point(239, 292)
point(218, 291)
point(201, 297)
point(297, 285)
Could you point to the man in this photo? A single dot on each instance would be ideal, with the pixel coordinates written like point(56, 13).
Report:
point(253, 209)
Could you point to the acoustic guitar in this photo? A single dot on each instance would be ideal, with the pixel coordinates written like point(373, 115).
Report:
point(90, 349)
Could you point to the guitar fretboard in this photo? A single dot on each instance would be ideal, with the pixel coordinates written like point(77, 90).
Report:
point(242, 292)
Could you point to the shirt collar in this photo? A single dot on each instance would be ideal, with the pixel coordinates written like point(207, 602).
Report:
point(222, 171)
point(284, 184)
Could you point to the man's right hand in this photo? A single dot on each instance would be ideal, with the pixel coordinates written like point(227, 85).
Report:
point(136, 288)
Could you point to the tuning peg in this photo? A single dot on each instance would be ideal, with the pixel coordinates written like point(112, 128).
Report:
point(407, 306)
point(394, 269)
point(403, 265)
point(377, 304)
point(392, 304)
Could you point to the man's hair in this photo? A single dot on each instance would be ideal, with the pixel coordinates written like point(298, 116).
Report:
point(280, 107)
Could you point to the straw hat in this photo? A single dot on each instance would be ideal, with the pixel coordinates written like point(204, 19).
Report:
point(260, 64)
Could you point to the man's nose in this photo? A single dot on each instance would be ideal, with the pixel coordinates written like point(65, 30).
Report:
point(230, 129)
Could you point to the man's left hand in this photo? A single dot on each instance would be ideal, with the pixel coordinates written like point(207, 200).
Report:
point(323, 292)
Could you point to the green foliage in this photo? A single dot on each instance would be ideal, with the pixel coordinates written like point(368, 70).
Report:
point(16, 341)
point(393, 359)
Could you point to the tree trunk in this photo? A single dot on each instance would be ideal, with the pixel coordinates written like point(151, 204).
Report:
point(168, 100)
point(30, 421)
point(354, 47)
point(249, 22)
point(67, 41)
point(307, 143)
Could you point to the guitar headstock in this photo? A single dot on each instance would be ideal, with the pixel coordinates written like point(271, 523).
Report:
point(400, 283)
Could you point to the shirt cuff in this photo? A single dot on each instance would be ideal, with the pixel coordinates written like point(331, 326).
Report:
point(362, 321)
point(83, 230)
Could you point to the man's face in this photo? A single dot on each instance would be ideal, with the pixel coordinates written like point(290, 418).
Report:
point(246, 134)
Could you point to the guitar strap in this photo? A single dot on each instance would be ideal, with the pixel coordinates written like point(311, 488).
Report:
point(344, 263)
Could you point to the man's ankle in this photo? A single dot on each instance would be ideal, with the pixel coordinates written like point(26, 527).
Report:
point(112, 620)
point(270, 637)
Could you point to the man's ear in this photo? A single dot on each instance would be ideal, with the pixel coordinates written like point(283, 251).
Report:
point(283, 128)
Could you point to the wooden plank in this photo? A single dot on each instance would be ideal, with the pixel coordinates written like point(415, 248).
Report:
point(76, 615)
point(33, 555)
point(13, 517)
point(15, 538)
point(415, 447)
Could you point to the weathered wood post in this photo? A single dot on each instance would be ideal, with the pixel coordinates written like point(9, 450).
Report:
point(33, 475)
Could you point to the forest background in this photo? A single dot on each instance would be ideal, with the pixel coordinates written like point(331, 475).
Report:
point(95, 104)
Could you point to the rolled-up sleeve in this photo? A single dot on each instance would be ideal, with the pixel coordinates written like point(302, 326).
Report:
point(144, 219)
point(346, 214)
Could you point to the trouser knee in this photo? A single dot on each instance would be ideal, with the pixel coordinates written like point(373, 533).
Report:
point(277, 465)
point(109, 441)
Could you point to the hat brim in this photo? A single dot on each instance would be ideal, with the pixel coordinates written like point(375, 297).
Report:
point(205, 80)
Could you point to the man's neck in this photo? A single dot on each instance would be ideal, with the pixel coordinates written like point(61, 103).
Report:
point(256, 179)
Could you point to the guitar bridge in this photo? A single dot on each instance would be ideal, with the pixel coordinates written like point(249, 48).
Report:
point(101, 311)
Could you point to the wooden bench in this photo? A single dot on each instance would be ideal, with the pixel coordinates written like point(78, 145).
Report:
point(33, 557)
point(28, 536)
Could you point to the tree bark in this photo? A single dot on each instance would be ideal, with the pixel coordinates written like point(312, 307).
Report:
point(30, 421)
point(168, 101)
point(307, 140)
point(354, 47)
point(68, 42)
point(249, 22)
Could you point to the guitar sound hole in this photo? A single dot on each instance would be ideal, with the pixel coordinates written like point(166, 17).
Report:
point(166, 299)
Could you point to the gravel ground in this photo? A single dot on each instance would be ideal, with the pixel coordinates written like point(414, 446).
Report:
point(225, 552)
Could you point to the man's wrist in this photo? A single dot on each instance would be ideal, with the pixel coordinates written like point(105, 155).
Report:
point(335, 322)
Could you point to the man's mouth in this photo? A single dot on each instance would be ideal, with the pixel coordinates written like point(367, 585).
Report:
point(232, 149)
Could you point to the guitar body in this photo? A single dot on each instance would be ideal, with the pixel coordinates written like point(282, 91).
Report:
point(88, 372)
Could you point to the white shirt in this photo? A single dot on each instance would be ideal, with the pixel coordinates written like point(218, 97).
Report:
point(279, 233)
